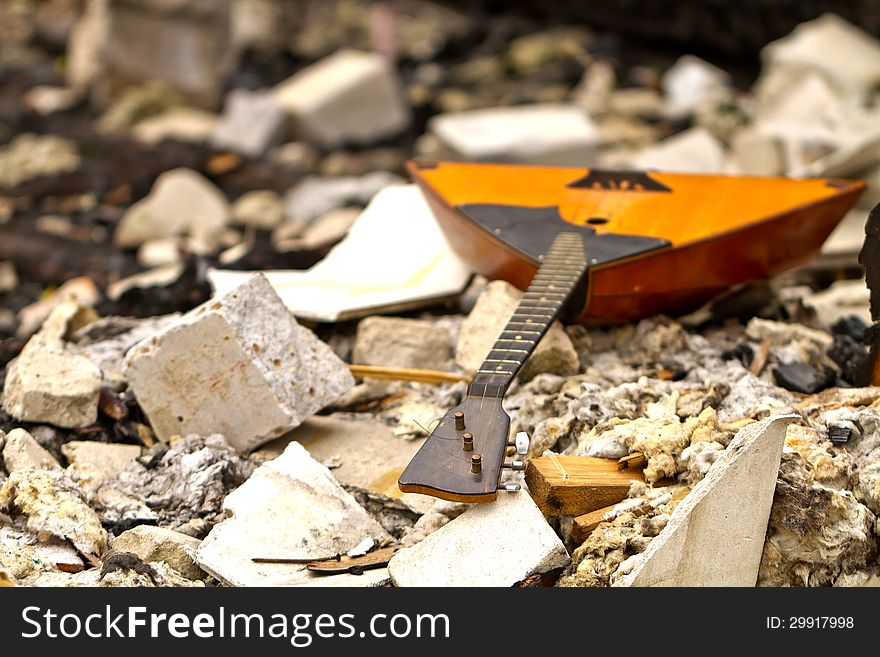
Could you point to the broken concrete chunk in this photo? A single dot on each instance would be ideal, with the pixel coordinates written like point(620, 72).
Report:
point(252, 122)
point(260, 208)
point(181, 202)
point(476, 549)
point(239, 365)
point(46, 383)
point(555, 353)
point(692, 82)
point(315, 196)
point(23, 452)
point(185, 44)
point(54, 506)
point(715, 536)
point(401, 342)
point(8, 277)
point(186, 124)
point(152, 544)
point(552, 134)
point(108, 459)
point(693, 151)
point(349, 96)
point(846, 55)
point(291, 507)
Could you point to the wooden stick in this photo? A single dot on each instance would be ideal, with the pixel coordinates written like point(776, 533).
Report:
point(633, 460)
point(407, 374)
point(574, 485)
point(582, 526)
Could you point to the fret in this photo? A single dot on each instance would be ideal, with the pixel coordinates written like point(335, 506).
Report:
point(561, 269)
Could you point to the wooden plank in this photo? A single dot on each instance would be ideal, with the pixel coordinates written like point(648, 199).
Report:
point(574, 485)
point(582, 526)
point(406, 374)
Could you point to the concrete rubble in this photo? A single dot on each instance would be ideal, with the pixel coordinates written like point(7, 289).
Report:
point(541, 134)
point(348, 97)
point(182, 202)
point(251, 123)
point(476, 549)
point(151, 435)
point(290, 507)
point(401, 342)
point(152, 544)
point(22, 452)
point(283, 371)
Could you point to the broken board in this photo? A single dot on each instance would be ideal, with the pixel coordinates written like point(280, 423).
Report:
point(575, 485)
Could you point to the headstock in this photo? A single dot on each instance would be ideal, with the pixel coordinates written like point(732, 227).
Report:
point(444, 466)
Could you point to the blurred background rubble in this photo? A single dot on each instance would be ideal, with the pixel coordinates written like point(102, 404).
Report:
point(147, 143)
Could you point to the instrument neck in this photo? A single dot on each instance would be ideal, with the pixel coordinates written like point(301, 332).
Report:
point(560, 274)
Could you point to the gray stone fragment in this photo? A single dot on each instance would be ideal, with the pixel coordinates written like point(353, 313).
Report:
point(715, 536)
point(290, 507)
point(251, 123)
point(260, 208)
point(239, 365)
point(107, 459)
point(23, 452)
point(553, 134)
point(496, 544)
point(161, 544)
point(400, 342)
point(181, 202)
point(349, 96)
point(118, 43)
point(181, 487)
point(30, 156)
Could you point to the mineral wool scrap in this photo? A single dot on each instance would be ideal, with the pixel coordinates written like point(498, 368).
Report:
point(239, 365)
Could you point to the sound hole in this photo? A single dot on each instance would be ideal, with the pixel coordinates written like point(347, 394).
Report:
point(597, 221)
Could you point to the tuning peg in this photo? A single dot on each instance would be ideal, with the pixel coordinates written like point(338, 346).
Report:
point(515, 465)
point(521, 442)
point(510, 487)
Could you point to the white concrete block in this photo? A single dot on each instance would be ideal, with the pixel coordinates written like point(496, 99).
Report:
point(553, 134)
point(290, 507)
point(495, 544)
point(715, 536)
point(349, 96)
point(239, 365)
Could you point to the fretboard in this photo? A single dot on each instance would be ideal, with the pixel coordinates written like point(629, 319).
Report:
point(561, 270)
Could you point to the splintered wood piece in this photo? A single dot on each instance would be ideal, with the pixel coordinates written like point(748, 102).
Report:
point(355, 565)
point(634, 460)
point(583, 526)
point(574, 485)
point(760, 358)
